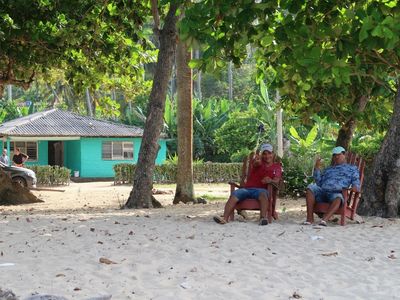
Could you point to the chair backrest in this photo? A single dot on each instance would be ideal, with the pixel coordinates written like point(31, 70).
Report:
point(246, 168)
point(357, 160)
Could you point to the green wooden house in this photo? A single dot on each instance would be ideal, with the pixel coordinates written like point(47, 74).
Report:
point(88, 147)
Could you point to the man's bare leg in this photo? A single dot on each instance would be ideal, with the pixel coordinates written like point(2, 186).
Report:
point(263, 199)
point(230, 207)
point(310, 201)
point(332, 209)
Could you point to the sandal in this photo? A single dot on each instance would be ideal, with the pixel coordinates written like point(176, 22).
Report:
point(263, 222)
point(306, 223)
point(322, 223)
point(219, 220)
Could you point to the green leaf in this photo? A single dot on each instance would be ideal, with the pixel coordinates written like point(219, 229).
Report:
point(294, 133)
point(266, 40)
point(311, 136)
point(378, 31)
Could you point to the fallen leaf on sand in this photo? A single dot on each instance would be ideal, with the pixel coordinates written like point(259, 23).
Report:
point(296, 296)
point(60, 275)
point(330, 254)
point(370, 258)
point(106, 261)
point(191, 237)
point(392, 256)
point(381, 226)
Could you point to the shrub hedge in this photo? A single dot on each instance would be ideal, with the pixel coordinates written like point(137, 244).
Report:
point(166, 173)
point(295, 179)
point(51, 175)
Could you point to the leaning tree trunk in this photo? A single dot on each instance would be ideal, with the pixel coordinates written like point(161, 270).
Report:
point(12, 193)
point(184, 178)
point(346, 132)
point(141, 194)
point(381, 192)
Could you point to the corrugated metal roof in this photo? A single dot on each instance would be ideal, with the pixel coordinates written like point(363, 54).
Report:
point(61, 123)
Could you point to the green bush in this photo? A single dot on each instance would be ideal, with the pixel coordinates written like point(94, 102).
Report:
point(166, 173)
point(51, 175)
point(297, 175)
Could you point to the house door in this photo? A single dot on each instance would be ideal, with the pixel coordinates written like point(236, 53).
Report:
point(56, 153)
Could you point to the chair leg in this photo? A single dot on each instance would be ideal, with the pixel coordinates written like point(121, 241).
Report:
point(270, 210)
point(343, 218)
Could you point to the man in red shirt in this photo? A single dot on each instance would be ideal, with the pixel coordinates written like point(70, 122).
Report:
point(263, 171)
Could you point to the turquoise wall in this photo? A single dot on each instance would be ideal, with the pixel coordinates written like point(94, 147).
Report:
point(92, 165)
point(72, 155)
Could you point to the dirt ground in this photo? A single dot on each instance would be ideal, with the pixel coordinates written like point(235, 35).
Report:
point(105, 196)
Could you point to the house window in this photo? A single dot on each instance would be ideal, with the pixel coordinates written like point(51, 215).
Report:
point(117, 150)
point(29, 148)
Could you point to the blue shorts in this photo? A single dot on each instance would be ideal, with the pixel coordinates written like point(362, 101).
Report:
point(249, 193)
point(325, 196)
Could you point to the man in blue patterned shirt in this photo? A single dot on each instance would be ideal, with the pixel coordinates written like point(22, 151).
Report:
point(329, 184)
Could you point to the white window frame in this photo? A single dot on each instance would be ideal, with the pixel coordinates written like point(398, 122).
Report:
point(117, 150)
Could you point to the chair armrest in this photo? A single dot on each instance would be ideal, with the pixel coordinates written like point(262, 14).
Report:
point(234, 184)
point(274, 185)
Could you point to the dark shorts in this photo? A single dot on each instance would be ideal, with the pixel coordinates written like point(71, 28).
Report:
point(325, 196)
point(249, 193)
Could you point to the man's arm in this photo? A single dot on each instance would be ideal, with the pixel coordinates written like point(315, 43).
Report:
point(317, 171)
point(24, 157)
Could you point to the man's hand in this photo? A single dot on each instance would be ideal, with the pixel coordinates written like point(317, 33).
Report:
point(318, 163)
point(266, 180)
point(354, 189)
point(256, 160)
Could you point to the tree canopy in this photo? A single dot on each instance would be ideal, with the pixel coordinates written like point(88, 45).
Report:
point(86, 39)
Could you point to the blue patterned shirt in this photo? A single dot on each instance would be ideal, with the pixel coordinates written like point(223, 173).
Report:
point(336, 178)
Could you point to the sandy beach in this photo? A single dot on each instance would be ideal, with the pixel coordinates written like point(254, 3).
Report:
point(78, 244)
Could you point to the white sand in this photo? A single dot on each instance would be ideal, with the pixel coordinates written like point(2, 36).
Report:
point(178, 252)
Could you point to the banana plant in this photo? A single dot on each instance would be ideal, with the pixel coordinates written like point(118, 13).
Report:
point(304, 144)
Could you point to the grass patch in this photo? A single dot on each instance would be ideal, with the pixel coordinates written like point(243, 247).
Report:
point(212, 197)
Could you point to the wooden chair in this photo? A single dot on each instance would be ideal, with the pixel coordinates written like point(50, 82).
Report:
point(351, 199)
point(253, 204)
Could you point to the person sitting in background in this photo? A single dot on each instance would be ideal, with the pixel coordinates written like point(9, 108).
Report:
point(19, 158)
point(4, 158)
point(263, 171)
point(329, 184)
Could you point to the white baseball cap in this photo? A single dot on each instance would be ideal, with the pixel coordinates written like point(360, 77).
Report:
point(266, 147)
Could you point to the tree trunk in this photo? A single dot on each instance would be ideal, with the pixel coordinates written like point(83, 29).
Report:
point(230, 81)
point(11, 193)
point(345, 135)
point(184, 179)
point(198, 79)
point(89, 103)
point(141, 194)
point(381, 192)
point(9, 89)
